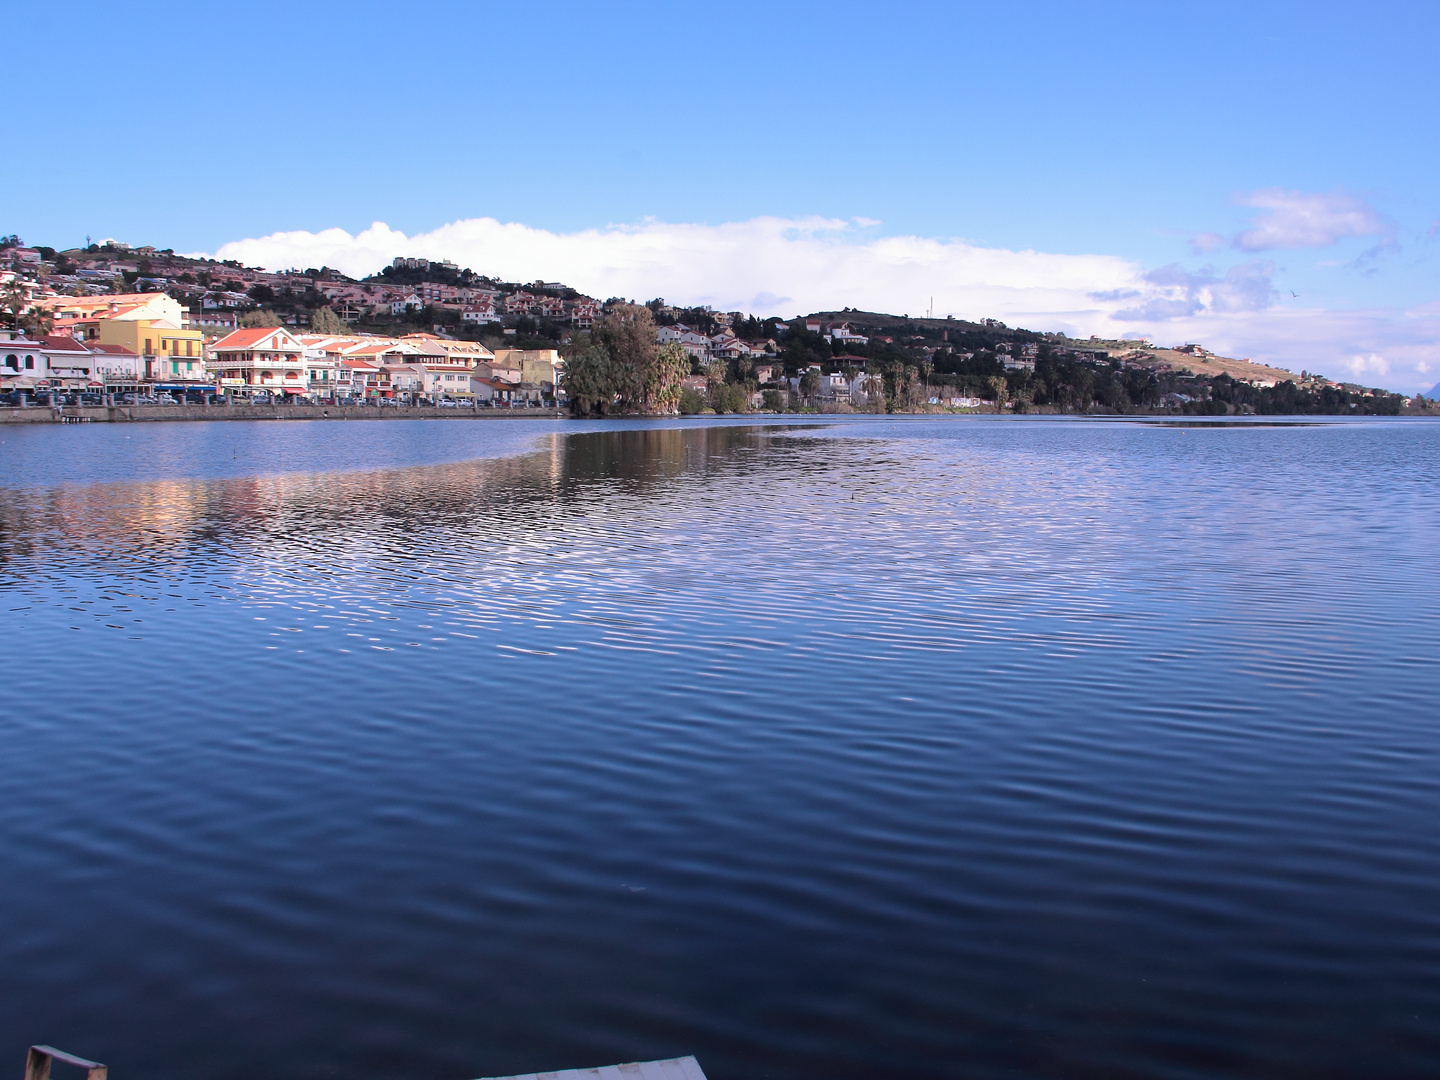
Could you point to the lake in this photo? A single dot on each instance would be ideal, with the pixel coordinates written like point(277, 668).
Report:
point(885, 746)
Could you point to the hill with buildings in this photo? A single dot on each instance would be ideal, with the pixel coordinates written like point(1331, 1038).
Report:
point(832, 360)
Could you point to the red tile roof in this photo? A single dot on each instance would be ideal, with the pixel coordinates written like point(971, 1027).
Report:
point(62, 343)
point(248, 337)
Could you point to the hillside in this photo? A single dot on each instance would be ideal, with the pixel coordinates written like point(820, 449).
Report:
point(1209, 365)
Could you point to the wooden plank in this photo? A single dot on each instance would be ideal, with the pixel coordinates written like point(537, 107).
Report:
point(686, 1068)
point(69, 1059)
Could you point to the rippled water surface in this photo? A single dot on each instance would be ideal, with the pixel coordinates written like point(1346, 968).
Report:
point(893, 747)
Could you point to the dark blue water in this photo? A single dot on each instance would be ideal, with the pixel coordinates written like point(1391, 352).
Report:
point(924, 748)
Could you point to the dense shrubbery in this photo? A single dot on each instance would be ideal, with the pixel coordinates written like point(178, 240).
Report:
point(621, 366)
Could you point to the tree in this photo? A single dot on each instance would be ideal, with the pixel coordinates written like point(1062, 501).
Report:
point(260, 318)
point(20, 315)
point(628, 332)
point(662, 381)
point(691, 401)
point(1001, 389)
point(810, 383)
point(325, 321)
point(729, 397)
point(643, 374)
point(590, 379)
point(37, 322)
point(14, 301)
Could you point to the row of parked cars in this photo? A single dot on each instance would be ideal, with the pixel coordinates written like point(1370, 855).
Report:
point(445, 403)
point(93, 397)
point(42, 398)
point(50, 397)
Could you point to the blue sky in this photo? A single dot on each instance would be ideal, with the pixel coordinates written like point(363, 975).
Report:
point(1202, 162)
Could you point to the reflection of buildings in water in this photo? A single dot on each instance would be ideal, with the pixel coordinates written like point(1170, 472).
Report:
point(421, 517)
point(97, 522)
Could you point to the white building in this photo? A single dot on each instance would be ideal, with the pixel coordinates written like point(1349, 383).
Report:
point(22, 361)
point(262, 358)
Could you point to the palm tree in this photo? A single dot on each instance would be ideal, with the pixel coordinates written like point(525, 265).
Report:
point(809, 383)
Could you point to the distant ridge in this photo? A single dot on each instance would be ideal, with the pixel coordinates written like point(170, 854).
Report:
point(1434, 392)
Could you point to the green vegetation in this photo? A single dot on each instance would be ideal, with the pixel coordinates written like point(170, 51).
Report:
point(620, 366)
point(325, 321)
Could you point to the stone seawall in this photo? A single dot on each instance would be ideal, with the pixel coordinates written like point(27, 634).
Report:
point(85, 414)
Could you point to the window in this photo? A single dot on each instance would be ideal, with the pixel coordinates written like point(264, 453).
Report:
point(189, 345)
point(12, 361)
point(30, 362)
point(147, 346)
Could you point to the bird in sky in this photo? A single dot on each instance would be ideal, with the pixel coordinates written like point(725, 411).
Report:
point(1295, 294)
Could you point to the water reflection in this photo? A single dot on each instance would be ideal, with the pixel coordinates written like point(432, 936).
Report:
point(105, 527)
point(1049, 749)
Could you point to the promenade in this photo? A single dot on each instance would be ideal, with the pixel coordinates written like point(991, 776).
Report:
point(86, 414)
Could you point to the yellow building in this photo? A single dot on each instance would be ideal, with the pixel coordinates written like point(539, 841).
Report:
point(536, 365)
point(171, 353)
point(147, 324)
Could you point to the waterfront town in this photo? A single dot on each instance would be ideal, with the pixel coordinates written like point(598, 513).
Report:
point(109, 324)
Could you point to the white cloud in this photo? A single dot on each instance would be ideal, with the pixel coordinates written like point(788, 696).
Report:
point(1179, 292)
point(1372, 365)
point(766, 265)
point(1298, 219)
point(777, 266)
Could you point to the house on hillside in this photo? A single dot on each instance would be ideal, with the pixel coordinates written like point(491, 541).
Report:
point(480, 313)
point(843, 332)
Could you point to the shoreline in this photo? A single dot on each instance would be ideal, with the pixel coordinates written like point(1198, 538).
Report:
point(122, 414)
point(112, 414)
